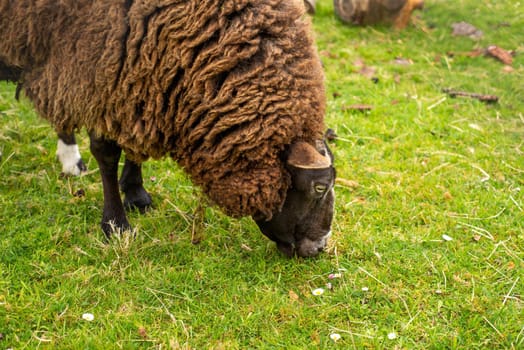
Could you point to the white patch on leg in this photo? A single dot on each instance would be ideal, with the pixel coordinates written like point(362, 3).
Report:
point(69, 156)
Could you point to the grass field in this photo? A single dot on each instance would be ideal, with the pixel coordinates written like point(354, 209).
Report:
point(428, 238)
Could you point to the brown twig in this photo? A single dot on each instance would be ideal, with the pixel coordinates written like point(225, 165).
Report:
point(480, 97)
point(357, 107)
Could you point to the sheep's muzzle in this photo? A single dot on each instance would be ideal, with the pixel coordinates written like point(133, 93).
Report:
point(303, 225)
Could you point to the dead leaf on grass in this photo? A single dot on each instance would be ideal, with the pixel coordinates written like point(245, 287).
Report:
point(403, 61)
point(347, 183)
point(363, 69)
point(500, 54)
point(357, 200)
point(460, 280)
point(368, 72)
point(359, 63)
point(396, 78)
point(447, 196)
point(293, 296)
point(466, 29)
point(79, 193)
point(142, 333)
point(476, 53)
point(315, 338)
point(329, 54)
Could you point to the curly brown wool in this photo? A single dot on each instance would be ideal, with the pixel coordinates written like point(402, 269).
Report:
point(222, 86)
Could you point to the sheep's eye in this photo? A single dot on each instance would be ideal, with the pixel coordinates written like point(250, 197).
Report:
point(320, 188)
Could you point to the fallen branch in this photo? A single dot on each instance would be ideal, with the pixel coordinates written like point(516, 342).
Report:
point(357, 107)
point(484, 98)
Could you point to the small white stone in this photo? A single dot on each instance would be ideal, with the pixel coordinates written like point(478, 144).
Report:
point(88, 317)
point(335, 336)
point(318, 291)
point(365, 289)
point(392, 335)
point(447, 238)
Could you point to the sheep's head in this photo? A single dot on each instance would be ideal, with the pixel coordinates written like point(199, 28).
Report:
point(303, 225)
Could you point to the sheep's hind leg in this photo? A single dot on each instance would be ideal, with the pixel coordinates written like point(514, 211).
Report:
point(68, 154)
point(107, 154)
point(131, 183)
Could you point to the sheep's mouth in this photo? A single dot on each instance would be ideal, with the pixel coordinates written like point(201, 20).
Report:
point(312, 247)
point(295, 241)
point(304, 249)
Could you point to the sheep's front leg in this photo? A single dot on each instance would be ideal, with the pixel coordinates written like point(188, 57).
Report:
point(131, 183)
point(107, 154)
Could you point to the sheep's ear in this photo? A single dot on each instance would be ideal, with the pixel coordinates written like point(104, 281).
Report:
point(302, 155)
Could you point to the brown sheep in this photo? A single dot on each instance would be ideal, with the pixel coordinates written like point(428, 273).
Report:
point(230, 89)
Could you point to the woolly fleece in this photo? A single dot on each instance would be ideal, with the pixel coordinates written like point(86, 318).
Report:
point(222, 86)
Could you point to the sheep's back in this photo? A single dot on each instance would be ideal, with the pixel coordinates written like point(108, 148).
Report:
point(221, 86)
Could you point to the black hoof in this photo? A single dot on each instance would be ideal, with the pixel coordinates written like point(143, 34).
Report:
point(137, 199)
point(110, 228)
point(81, 166)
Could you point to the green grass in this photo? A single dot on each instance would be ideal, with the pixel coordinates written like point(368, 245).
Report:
point(421, 165)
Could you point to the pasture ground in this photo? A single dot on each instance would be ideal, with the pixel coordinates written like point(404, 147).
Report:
point(416, 170)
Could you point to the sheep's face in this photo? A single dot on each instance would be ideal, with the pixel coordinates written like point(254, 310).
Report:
point(303, 225)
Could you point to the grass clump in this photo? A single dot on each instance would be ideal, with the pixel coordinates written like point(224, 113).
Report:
point(417, 166)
